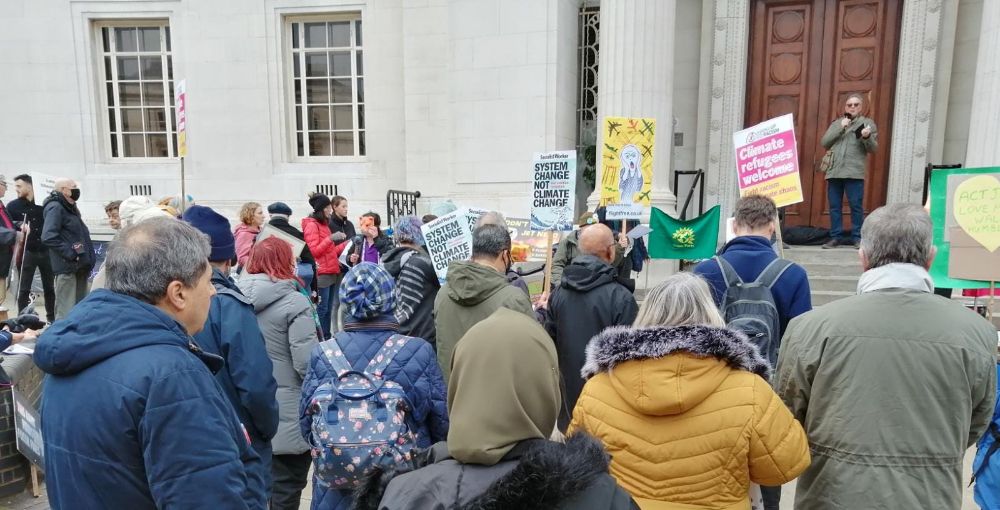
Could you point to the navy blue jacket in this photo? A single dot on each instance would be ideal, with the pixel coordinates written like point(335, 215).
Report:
point(415, 368)
point(64, 227)
point(749, 255)
point(132, 417)
point(232, 332)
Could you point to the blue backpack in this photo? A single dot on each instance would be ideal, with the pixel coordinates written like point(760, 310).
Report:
point(359, 419)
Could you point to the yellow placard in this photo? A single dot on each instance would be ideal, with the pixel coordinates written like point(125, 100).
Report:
point(627, 160)
point(977, 209)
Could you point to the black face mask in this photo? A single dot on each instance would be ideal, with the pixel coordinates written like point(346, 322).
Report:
point(74, 194)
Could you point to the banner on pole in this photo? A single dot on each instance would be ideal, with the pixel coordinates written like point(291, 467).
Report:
point(554, 191)
point(627, 166)
point(180, 100)
point(767, 161)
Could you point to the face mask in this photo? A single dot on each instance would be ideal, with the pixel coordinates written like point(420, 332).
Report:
point(74, 194)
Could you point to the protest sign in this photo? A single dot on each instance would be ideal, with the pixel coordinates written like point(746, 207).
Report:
point(959, 199)
point(627, 166)
point(28, 430)
point(43, 184)
point(180, 99)
point(554, 191)
point(271, 231)
point(448, 239)
point(767, 161)
point(528, 245)
point(973, 226)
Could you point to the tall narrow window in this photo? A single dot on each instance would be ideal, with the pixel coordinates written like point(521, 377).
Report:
point(138, 77)
point(329, 87)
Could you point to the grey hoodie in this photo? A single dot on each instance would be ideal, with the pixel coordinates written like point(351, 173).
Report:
point(285, 317)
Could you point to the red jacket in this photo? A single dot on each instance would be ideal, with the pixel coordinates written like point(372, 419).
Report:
point(326, 252)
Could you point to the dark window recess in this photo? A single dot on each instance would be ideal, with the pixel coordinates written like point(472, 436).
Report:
point(329, 190)
point(140, 189)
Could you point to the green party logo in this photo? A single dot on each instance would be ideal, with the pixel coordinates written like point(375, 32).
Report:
point(683, 238)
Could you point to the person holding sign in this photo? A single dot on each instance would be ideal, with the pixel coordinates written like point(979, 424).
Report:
point(849, 140)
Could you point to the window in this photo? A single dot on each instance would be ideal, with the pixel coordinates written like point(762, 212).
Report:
point(138, 76)
point(328, 83)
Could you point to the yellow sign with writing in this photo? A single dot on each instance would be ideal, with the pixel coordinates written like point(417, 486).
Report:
point(627, 161)
point(977, 209)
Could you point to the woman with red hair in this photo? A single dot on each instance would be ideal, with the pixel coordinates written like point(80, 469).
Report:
point(290, 327)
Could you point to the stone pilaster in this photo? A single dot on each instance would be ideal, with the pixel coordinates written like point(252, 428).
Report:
point(635, 79)
point(984, 126)
point(915, 87)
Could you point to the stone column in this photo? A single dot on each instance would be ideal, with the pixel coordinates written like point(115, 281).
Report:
point(635, 79)
point(984, 126)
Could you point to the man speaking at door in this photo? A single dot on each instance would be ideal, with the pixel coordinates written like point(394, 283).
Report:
point(850, 139)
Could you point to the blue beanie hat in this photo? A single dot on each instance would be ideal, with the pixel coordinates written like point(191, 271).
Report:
point(368, 291)
point(279, 208)
point(216, 226)
point(408, 231)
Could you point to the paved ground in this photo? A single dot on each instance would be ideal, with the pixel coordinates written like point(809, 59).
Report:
point(24, 501)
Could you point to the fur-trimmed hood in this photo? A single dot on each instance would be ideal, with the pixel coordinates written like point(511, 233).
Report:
point(546, 475)
point(686, 367)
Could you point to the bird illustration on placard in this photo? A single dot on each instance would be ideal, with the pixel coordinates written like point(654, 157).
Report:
point(630, 180)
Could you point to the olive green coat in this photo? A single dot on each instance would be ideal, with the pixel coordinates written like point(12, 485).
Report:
point(850, 153)
point(892, 386)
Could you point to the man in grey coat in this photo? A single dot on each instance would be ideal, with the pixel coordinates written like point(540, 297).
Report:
point(892, 385)
point(850, 139)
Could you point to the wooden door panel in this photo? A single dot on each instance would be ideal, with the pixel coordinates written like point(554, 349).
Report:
point(806, 57)
point(785, 70)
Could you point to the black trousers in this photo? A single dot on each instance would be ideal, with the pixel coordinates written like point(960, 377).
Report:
point(37, 260)
point(771, 497)
point(289, 474)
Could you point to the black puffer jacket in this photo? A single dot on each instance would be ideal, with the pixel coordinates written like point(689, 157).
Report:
point(536, 474)
point(417, 286)
point(64, 228)
point(589, 299)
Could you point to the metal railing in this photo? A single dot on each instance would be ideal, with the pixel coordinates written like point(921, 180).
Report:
point(399, 203)
point(699, 183)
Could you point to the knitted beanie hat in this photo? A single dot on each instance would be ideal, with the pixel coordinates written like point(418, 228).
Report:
point(216, 226)
point(368, 292)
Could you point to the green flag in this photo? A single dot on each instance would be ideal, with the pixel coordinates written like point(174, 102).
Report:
point(675, 239)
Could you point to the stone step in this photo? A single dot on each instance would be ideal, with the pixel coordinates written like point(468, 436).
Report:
point(822, 297)
point(804, 255)
point(833, 268)
point(833, 283)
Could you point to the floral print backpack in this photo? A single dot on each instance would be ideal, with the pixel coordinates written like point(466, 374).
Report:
point(359, 420)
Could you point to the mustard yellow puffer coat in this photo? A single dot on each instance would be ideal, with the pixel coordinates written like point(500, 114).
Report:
point(687, 417)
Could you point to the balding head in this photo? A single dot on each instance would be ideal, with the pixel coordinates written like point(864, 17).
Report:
point(65, 185)
point(599, 241)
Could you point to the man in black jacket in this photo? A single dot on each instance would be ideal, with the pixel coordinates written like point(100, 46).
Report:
point(589, 298)
point(70, 248)
point(24, 210)
point(279, 212)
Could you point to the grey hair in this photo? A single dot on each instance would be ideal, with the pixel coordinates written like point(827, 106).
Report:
point(148, 256)
point(489, 241)
point(856, 96)
point(897, 233)
point(492, 218)
point(683, 299)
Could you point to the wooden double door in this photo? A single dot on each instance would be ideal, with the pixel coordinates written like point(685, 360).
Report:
point(806, 58)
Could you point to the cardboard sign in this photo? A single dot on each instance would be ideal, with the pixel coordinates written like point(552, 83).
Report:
point(973, 231)
point(44, 185)
point(554, 191)
point(627, 166)
point(950, 238)
point(767, 161)
point(28, 430)
point(271, 231)
point(448, 239)
point(528, 245)
point(180, 99)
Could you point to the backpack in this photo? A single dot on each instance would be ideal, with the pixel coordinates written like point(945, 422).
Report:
point(750, 308)
point(359, 420)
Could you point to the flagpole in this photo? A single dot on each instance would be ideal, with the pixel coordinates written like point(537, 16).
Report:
point(547, 279)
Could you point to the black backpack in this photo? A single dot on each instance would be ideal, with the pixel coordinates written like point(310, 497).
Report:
point(750, 308)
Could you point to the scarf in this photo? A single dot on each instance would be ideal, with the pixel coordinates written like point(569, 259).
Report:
point(896, 276)
point(504, 388)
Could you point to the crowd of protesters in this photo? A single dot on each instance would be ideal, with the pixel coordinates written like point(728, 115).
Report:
point(219, 367)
